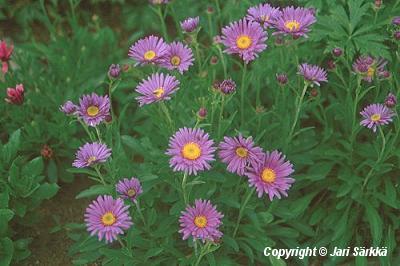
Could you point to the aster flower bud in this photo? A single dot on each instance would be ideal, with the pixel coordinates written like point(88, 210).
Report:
point(227, 86)
point(397, 35)
point(331, 64)
point(378, 3)
point(68, 108)
point(210, 10)
point(282, 78)
point(390, 100)
point(314, 92)
point(396, 21)
point(114, 71)
point(46, 152)
point(15, 96)
point(337, 51)
point(214, 60)
point(202, 113)
point(190, 24)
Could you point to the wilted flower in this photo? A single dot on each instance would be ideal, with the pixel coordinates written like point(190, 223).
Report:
point(214, 60)
point(264, 14)
point(312, 73)
point(149, 50)
point(294, 21)
point(15, 96)
point(5, 54)
point(191, 150)
point(129, 188)
point(239, 153)
point(314, 92)
point(227, 86)
point(107, 218)
point(68, 108)
point(179, 56)
point(396, 21)
point(46, 152)
point(157, 87)
point(201, 221)
point(114, 71)
point(369, 67)
point(282, 78)
point(337, 52)
point(245, 38)
point(90, 154)
point(376, 115)
point(271, 176)
point(190, 24)
point(391, 100)
point(93, 108)
point(210, 10)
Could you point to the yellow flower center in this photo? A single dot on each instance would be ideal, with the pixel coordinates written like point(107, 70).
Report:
point(241, 152)
point(191, 151)
point(268, 175)
point(371, 72)
point(92, 110)
point(108, 219)
point(375, 117)
point(150, 54)
point(243, 42)
point(200, 221)
point(91, 159)
point(131, 192)
point(175, 60)
point(292, 25)
point(264, 18)
point(159, 92)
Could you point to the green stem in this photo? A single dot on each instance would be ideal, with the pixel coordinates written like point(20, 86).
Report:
point(184, 180)
point(86, 129)
point(163, 26)
point(241, 210)
point(140, 213)
point(122, 243)
point(380, 155)
point(165, 110)
point(298, 108)
point(243, 87)
point(204, 251)
point(98, 134)
point(221, 114)
point(222, 60)
point(96, 168)
point(197, 51)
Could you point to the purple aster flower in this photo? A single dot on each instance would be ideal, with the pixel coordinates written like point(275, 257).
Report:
point(114, 71)
point(391, 100)
point(156, 87)
point(227, 86)
point(179, 56)
point(282, 78)
point(244, 38)
point(201, 221)
point(396, 21)
point(149, 50)
point(191, 150)
point(90, 154)
point(107, 218)
point(68, 108)
point(271, 176)
point(376, 115)
point(129, 188)
point(369, 67)
point(190, 24)
point(312, 73)
point(93, 108)
point(264, 14)
point(294, 21)
point(238, 153)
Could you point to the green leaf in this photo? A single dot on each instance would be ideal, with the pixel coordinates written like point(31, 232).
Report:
point(375, 223)
point(6, 251)
point(276, 262)
point(94, 191)
point(33, 168)
point(46, 191)
point(12, 146)
point(52, 174)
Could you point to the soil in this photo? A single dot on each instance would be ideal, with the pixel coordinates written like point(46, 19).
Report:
point(52, 248)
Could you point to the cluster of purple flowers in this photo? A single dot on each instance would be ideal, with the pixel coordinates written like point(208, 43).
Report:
point(247, 36)
point(369, 68)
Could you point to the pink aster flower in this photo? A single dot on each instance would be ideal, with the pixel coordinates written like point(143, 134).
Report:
point(129, 188)
point(369, 67)
point(271, 176)
point(107, 218)
point(245, 38)
point(15, 96)
point(179, 56)
point(191, 150)
point(312, 73)
point(376, 115)
point(239, 153)
point(264, 14)
point(157, 87)
point(91, 154)
point(93, 109)
point(190, 24)
point(5, 54)
point(201, 221)
point(294, 21)
point(149, 50)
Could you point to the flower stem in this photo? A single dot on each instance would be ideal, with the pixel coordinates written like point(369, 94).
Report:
point(204, 251)
point(122, 243)
point(380, 156)
point(243, 87)
point(221, 114)
point(98, 134)
point(241, 210)
point(166, 112)
point(296, 116)
point(96, 168)
point(86, 129)
point(184, 180)
point(163, 26)
point(222, 61)
point(140, 214)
